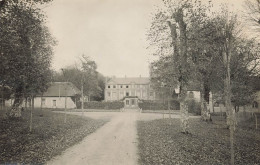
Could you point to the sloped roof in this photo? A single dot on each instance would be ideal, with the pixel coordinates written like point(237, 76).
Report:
point(129, 80)
point(193, 86)
point(61, 89)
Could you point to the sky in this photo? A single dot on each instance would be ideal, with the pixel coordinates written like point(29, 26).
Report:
point(110, 32)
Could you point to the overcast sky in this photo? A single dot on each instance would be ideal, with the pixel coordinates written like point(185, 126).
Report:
point(111, 32)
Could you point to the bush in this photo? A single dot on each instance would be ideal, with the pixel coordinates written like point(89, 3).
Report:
point(156, 105)
point(194, 107)
point(102, 105)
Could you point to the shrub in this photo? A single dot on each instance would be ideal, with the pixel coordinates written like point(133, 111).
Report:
point(156, 105)
point(102, 105)
point(194, 107)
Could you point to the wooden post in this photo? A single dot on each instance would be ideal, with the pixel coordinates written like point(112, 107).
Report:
point(2, 92)
point(65, 115)
point(256, 125)
point(82, 95)
point(41, 102)
point(169, 107)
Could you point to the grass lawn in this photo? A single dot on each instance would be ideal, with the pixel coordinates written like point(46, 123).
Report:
point(160, 142)
point(49, 137)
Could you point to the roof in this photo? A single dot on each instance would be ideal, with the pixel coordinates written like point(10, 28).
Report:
point(61, 89)
point(129, 80)
point(193, 87)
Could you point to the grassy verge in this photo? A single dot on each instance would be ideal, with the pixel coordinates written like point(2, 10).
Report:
point(160, 142)
point(49, 136)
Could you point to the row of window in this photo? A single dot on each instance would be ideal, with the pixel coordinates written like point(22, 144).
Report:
point(44, 102)
point(114, 94)
point(127, 86)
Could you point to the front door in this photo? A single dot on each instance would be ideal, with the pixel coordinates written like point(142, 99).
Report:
point(132, 102)
point(127, 103)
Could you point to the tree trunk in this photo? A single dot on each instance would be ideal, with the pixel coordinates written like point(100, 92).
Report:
point(26, 102)
point(229, 110)
point(15, 111)
point(205, 113)
point(184, 117)
point(31, 115)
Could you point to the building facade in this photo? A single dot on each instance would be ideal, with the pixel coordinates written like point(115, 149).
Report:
point(129, 90)
point(58, 95)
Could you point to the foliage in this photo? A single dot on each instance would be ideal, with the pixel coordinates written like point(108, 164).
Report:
point(210, 35)
point(5, 93)
point(48, 138)
point(86, 75)
point(158, 105)
point(26, 49)
point(252, 14)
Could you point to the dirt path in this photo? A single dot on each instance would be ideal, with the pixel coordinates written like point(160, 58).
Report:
point(113, 144)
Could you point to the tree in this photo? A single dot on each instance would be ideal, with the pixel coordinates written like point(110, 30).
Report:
point(244, 67)
point(26, 50)
point(90, 76)
point(252, 14)
point(208, 49)
point(173, 31)
point(85, 74)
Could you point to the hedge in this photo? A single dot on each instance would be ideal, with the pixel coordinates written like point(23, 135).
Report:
point(156, 105)
point(102, 105)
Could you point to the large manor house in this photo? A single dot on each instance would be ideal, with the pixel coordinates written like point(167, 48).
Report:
point(129, 89)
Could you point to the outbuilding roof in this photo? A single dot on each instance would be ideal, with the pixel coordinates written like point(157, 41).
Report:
point(61, 89)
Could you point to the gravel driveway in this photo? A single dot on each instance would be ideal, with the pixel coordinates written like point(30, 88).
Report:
point(113, 144)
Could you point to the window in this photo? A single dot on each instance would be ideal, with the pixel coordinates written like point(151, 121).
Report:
point(108, 93)
point(114, 95)
point(127, 94)
point(43, 101)
point(108, 86)
point(255, 104)
point(121, 95)
point(138, 93)
point(151, 94)
point(144, 94)
point(54, 103)
point(121, 86)
point(127, 86)
point(191, 95)
point(114, 86)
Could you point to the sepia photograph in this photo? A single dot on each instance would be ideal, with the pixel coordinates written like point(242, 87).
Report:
point(129, 82)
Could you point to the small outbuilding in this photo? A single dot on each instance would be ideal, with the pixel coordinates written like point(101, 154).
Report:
point(58, 95)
